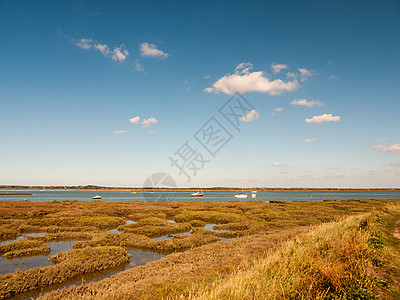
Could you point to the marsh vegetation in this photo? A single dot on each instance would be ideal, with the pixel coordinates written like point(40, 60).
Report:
point(261, 235)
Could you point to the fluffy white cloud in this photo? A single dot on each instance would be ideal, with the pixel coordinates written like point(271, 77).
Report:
point(135, 120)
point(323, 119)
point(276, 164)
point(117, 132)
point(117, 54)
point(304, 102)
point(244, 81)
point(103, 48)
point(276, 68)
point(278, 109)
point(253, 114)
point(382, 139)
point(148, 122)
point(393, 148)
point(150, 50)
point(83, 43)
point(310, 140)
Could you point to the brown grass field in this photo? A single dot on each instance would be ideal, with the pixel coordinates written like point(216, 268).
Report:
point(284, 250)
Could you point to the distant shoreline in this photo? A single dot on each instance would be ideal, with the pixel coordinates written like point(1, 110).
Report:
point(214, 189)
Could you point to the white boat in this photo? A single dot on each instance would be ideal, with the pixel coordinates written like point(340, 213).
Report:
point(97, 197)
point(198, 193)
point(241, 195)
point(42, 191)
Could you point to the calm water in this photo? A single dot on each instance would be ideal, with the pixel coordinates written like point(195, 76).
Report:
point(49, 196)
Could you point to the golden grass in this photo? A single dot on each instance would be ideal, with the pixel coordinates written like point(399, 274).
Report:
point(355, 257)
point(69, 264)
point(259, 224)
point(334, 261)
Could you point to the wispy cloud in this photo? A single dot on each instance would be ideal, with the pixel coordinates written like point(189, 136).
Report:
point(277, 164)
point(83, 43)
point(148, 122)
point(382, 139)
point(252, 115)
point(395, 164)
point(117, 132)
point(323, 119)
point(305, 74)
point(276, 68)
point(310, 140)
point(393, 148)
point(135, 120)
point(305, 102)
point(278, 109)
point(334, 77)
point(333, 168)
point(151, 50)
point(244, 81)
point(138, 66)
point(207, 77)
point(119, 54)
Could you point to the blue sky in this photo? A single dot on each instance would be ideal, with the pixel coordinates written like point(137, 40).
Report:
point(106, 93)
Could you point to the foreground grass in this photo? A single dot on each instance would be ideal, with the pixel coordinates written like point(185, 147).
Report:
point(356, 257)
point(261, 226)
point(67, 265)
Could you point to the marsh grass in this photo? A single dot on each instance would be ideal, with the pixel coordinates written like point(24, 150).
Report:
point(68, 265)
point(259, 224)
point(333, 261)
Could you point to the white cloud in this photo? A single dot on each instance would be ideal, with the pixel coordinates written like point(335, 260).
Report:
point(332, 168)
point(253, 114)
point(278, 109)
point(117, 132)
point(393, 148)
point(103, 48)
point(135, 120)
point(138, 66)
point(148, 122)
point(84, 43)
point(207, 76)
point(304, 102)
point(291, 75)
point(382, 139)
point(150, 50)
point(304, 74)
point(276, 68)
point(244, 81)
point(276, 164)
point(334, 77)
point(310, 140)
point(323, 119)
point(117, 54)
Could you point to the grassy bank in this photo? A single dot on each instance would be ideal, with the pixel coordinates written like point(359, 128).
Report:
point(356, 258)
point(68, 265)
